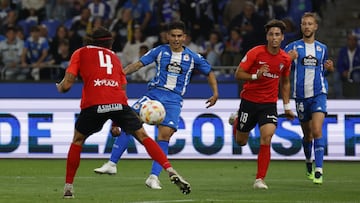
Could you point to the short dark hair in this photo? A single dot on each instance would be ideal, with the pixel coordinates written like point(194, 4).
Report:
point(275, 23)
point(35, 28)
point(177, 25)
point(101, 37)
point(11, 28)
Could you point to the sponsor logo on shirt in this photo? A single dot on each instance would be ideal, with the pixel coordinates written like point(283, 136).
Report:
point(270, 75)
point(109, 107)
point(174, 68)
point(309, 61)
point(106, 82)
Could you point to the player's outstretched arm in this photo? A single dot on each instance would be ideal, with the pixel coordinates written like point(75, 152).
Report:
point(214, 87)
point(133, 67)
point(66, 83)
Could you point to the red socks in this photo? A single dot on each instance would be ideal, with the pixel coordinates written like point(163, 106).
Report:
point(263, 161)
point(156, 153)
point(72, 162)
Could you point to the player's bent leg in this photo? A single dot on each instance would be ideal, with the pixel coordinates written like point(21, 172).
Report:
point(241, 138)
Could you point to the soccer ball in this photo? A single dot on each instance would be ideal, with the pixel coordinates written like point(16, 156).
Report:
point(152, 112)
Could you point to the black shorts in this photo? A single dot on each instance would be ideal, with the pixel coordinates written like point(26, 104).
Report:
point(92, 119)
point(251, 113)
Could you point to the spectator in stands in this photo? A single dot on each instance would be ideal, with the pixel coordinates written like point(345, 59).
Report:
point(356, 32)
point(96, 23)
point(167, 11)
point(264, 9)
point(140, 12)
point(232, 9)
point(9, 21)
point(280, 8)
point(218, 7)
point(58, 10)
point(61, 34)
point(189, 43)
point(131, 49)
point(296, 9)
point(201, 17)
point(34, 54)
point(10, 52)
point(213, 48)
point(4, 9)
point(348, 60)
point(44, 32)
point(119, 29)
point(99, 9)
point(233, 48)
point(61, 59)
point(162, 37)
point(75, 9)
point(34, 9)
point(291, 32)
point(147, 72)
point(79, 29)
point(251, 26)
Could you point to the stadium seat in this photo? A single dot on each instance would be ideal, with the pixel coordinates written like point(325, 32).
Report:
point(68, 23)
point(26, 25)
point(51, 25)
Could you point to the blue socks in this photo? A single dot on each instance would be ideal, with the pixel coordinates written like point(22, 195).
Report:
point(156, 167)
point(319, 152)
point(120, 145)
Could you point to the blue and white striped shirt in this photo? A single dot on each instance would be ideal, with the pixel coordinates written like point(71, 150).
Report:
point(174, 69)
point(309, 75)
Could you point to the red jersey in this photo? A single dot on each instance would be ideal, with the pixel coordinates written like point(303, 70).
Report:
point(102, 74)
point(266, 88)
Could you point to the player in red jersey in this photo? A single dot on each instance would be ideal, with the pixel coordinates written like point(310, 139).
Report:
point(103, 98)
point(262, 68)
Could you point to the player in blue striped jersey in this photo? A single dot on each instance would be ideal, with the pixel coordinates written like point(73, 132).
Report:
point(175, 64)
point(310, 89)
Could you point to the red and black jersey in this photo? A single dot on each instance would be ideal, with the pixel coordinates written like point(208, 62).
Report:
point(266, 88)
point(102, 74)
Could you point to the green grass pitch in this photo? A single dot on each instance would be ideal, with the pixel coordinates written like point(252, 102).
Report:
point(38, 181)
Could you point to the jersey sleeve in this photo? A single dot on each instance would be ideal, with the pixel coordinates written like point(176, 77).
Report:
point(74, 65)
point(288, 47)
point(248, 59)
point(204, 67)
point(150, 56)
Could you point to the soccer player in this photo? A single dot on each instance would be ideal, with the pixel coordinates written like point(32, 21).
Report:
point(174, 65)
point(262, 68)
point(103, 98)
point(310, 91)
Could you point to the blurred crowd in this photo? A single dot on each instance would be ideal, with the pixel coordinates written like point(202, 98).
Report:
point(38, 35)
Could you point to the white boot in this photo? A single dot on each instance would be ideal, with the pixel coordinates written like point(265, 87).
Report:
point(108, 168)
point(153, 182)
